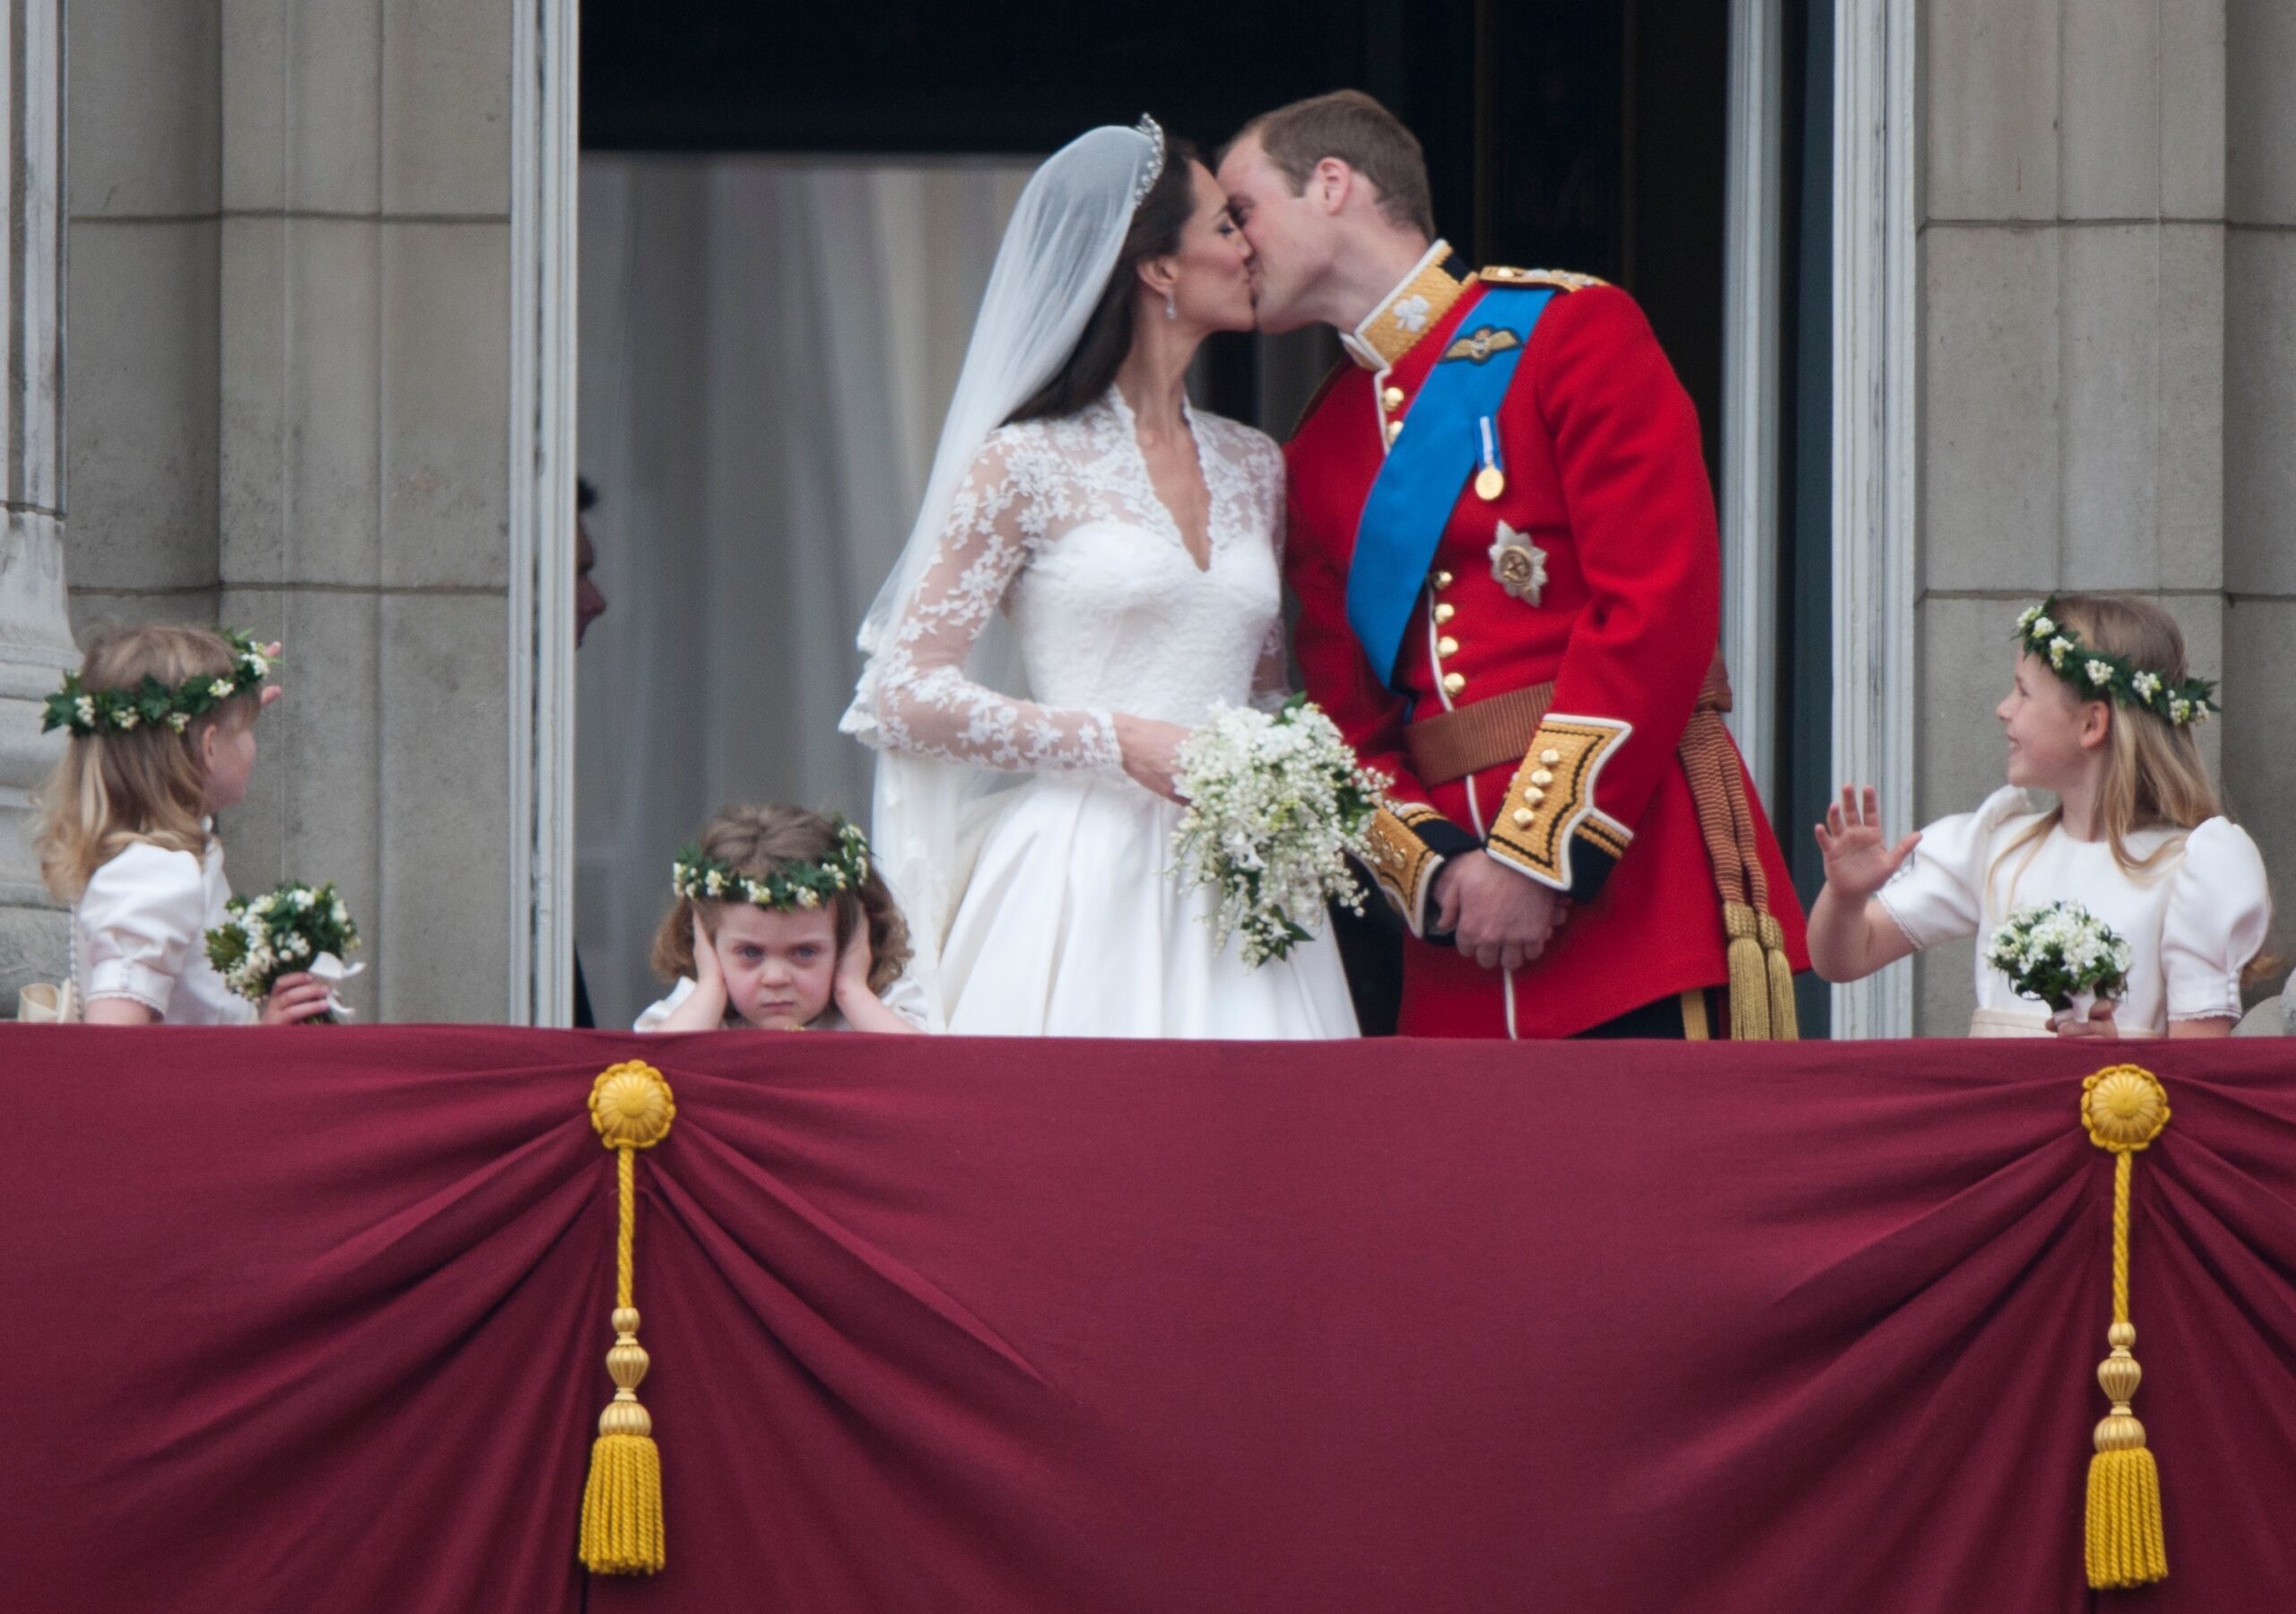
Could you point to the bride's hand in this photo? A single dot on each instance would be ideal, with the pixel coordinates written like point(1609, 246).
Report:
point(1151, 752)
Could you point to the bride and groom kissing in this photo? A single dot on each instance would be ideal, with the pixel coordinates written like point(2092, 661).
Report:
point(1496, 520)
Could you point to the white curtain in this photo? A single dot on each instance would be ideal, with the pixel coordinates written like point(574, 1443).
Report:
point(767, 347)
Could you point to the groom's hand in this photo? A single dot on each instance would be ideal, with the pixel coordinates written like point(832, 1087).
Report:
point(1500, 919)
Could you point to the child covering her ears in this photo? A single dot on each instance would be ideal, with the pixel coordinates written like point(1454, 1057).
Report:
point(2101, 712)
point(779, 924)
point(162, 720)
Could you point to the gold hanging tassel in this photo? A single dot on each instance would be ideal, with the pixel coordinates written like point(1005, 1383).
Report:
point(2123, 1108)
point(622, 1504)
point(1749, 976)
point(1785, 1020)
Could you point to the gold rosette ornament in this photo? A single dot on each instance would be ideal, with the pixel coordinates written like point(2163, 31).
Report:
point(2123, 1108)
point(630, 1109)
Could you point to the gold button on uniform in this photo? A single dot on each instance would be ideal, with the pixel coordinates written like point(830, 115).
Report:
point(1446, 646)
point(1395, 430)
point(1452, 683)
point(1392, 398)
point(1442, 579)
point(1444, 613)
point(1523, 817)
point(1534, 795)
point(1550, 757)
point(1541, 778)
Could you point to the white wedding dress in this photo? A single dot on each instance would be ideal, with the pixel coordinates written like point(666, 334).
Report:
point(1071, 922)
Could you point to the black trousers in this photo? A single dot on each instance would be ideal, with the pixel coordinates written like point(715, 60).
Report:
point(1661, 1020)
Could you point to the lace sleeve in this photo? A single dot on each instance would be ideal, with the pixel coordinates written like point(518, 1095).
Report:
point(1272, 678)
point(925, 703)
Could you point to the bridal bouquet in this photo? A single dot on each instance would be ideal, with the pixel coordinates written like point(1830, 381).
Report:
point(296, 927)
point(2061, 954)
point(1275, 805)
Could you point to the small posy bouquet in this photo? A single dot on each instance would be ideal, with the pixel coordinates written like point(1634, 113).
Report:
point(2062, 955)
point(293, 928)
point(1276, 803)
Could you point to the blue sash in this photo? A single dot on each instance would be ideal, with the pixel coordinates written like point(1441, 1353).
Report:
point(1428, 467)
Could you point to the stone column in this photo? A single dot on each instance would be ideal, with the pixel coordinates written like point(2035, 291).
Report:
point(35, 636)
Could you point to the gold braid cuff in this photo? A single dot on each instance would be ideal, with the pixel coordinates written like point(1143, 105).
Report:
point(1551, 803)
point(630, 1109)
point(1404, 859)
point(2123, 1108)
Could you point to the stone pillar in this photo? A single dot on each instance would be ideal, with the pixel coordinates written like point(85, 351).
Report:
point(35, 636)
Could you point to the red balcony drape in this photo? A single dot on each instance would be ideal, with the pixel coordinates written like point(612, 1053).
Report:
point(316, 1320)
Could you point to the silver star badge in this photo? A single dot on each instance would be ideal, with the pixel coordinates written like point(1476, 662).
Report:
point(1518, 564)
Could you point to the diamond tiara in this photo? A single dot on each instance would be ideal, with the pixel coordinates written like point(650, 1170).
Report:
point(1154, 132)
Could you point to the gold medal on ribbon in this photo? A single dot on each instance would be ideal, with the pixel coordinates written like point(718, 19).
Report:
point(1490, 482)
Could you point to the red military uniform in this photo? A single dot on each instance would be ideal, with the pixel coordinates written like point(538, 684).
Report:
point(1596, 569)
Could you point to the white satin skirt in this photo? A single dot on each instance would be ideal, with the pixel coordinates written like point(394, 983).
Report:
point(1074, 925)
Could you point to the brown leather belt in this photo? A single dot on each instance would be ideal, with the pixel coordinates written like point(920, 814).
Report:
point(1451, 745)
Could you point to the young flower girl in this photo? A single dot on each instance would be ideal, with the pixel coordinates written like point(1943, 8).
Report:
point(163, 737)
point(780, 923)
point(2102, 714)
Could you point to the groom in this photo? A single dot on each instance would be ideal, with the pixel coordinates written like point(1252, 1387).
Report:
point(1504, 543)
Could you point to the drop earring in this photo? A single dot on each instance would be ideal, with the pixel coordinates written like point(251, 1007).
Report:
point(1172, 308)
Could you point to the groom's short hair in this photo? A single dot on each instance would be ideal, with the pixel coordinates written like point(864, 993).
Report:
point(1350, 125)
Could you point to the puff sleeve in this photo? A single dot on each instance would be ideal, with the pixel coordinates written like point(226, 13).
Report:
point(2219, 910)
point(143, 914)
point(1938, 893)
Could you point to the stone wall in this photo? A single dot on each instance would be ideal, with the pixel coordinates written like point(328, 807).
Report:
point(2108, 337)
point(289, 368)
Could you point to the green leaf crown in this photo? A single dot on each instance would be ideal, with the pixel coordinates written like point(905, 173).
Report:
point(152, 702)
point(790, 887)
point(2101, 675)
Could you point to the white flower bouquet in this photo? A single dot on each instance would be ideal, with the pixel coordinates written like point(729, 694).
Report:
point(2062, 955)
point(1276, 803)
point(295, 927)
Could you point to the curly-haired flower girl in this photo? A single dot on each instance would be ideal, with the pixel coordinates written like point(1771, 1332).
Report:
point(780, 923)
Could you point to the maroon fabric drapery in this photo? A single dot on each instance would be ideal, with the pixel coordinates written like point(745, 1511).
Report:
point(317, 1320)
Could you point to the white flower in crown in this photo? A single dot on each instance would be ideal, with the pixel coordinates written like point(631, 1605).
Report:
point(129, 718)
point(2027, 618)
point(86, 707)
point(2043, 626)
point(2058, 650)
point(1411, 314)
point(2181, 710)
point(178, 721)
point(221, 688)
point(807, 897)
point(713, 883)
point(2100, 674)
point(2146, 685)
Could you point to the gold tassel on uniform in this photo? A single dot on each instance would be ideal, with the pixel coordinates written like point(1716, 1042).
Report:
point(1749, 981)
point(622, 1506)
point(2123, 1108)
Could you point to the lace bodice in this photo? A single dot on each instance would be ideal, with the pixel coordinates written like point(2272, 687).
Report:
point(1058, 525)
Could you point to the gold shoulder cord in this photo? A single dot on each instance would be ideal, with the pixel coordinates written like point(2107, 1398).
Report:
point(2123, 1108)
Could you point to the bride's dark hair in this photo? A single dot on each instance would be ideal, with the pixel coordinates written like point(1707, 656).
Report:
point(1156, 225)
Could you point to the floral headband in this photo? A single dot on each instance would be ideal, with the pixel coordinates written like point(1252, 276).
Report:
point(87, 712)
point(805, 885)
point(2101, 675)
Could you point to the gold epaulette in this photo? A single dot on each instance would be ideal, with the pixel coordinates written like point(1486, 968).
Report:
point(1561, 280)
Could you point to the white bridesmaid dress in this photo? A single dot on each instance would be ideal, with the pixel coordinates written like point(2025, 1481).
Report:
point(1071, 924)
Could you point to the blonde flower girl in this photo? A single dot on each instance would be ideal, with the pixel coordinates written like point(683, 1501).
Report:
point(2102, 712)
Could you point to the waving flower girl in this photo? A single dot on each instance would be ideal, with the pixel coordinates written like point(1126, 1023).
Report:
point(778, 922)
point(161, 722)
point(2102, 712)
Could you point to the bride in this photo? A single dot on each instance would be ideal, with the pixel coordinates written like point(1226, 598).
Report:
point(1095, 567)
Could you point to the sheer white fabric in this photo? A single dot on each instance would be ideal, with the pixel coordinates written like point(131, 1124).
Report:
point(1059, 251)
point(139, 930)
point(1058, 523)
point(2193, 921)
